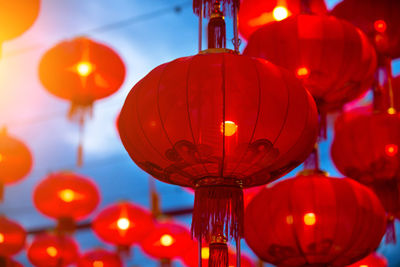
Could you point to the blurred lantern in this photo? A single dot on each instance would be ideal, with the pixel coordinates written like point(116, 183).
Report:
point(254, 14)
point(333, 58)
point(48, 250)
point(12, 237)
point(314, 220)
point(15, 160)
point(372, 260)
point(16, 17)
point(166, 241)
point(99, 258)
point(81, 71)
point(378, 19)
point(123, 224)
point(67, 197)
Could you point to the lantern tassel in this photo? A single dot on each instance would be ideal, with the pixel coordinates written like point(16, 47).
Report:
point(218, 255)
point(218, 206)
point(217, 28)
point(390, 231)
point(228, 7)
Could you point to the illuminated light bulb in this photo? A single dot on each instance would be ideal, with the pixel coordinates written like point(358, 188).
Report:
point(280, 13)
point(205, 253)
point(302, 72)
point(84, 68)
point(391, 111)
point(363, 265)
point(123, 223)
point(230, 128)
point(1, 238)
point(98, 264)
point(289, 219)
point(52, 251)
point(309, 218)
point(67, 195)
point(380, 26)
point(166, 240)
point(391, 150)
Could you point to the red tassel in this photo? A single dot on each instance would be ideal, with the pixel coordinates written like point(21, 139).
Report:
point(390, 231)
point(217, 29)
point(218, 206)
point(66, 225)
point(218, 255)
point(228, 7)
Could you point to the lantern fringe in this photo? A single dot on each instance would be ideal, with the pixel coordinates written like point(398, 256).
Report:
point(390, 231)
point(218, 206)
point(218, 255)
point(217, 32)
point(228, 7)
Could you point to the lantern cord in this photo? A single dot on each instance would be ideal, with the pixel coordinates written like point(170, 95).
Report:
point(388, 63)
point(238, 253)
point(79, 157)
point(201, 26)
point(154, 199)
point(312, 161)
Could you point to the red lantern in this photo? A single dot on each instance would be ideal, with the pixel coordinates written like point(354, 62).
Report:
point(314, 220)
point(123, 224)
point(7, 262)
point(100, 258)
point(218, 122)
point(167, 241)
point(67, 197)
point(372, 260)
point(332, 57)
point(81, 71)
point(12, 237)
point(15, 160)
point(49, 250)
point(254, 14)
point(378, 19)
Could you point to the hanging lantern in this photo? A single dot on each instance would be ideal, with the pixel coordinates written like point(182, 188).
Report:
point(20, 14)
point(123, 224)
point(333, 58)
point(254, 14)
point(372, 260)
point(48, 250)
point(166, 241)
point(314, 220)
point(66, 197)
point(81, 71)
point(378, 19)
point(12, 237)
point(100, 258)
point(15, 160)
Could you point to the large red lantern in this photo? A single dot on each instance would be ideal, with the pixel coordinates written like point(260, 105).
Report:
point(123, 224)
point(314, 220)
point(372, 260)
point(81, 71)
point(15, 160)
point(218, 122)
point(67, 197)
point(12, 237)
point(99, 258)
point(254, 14)
point(332, 57)
point(378, 19)
point(48, 250)
point(167, 241)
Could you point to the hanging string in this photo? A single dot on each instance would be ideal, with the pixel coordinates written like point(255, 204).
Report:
point(236, 40)
point(201, 27)
point(388, 65)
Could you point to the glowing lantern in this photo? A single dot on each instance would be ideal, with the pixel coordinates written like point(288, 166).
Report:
point(48, 250)
point(15, 160)
point(254, 14)
point(333, 58)
point(99, 258)
point(123, 224)
point(378, 19)
point(166, 241)
point(81, 71)
point(372, 260)
point(67, 197)
point(314, 220)
point(269, 126)
point(12, 237)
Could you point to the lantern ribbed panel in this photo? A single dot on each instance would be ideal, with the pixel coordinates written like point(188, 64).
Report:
point(314, 221)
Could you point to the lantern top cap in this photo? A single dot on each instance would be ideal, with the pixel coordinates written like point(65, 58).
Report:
point(311, 172)
point(218, 50)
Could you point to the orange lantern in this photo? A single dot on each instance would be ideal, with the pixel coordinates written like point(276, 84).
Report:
point(12, 237)
point(123, 224)
point(48, 250)
point(67, 197)
point(15, 160)
point(100, 258)
point(81, 71)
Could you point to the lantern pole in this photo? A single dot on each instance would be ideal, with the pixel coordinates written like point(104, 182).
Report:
point(201, 26)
